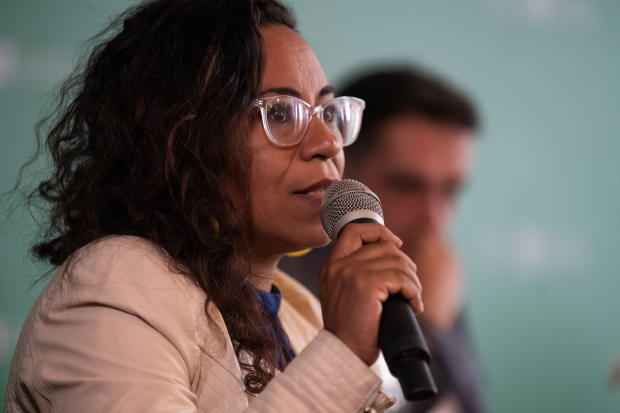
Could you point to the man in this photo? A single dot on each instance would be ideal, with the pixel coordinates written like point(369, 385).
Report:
point(415, 152)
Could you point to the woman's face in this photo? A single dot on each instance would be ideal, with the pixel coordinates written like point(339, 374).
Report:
point(288, 182)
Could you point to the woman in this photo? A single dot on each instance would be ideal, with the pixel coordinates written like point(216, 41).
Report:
point(186, 166)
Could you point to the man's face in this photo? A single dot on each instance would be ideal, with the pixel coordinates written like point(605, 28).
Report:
point(417, 168)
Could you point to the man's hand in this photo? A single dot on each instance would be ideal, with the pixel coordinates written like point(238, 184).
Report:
point(441, 276)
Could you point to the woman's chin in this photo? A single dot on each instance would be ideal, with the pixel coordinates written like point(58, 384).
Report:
point(314, 241)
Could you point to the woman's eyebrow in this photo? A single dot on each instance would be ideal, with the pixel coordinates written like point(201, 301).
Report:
point(288, 91)
point(329, 89)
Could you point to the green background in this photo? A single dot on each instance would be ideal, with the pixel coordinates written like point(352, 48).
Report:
point(539, 226)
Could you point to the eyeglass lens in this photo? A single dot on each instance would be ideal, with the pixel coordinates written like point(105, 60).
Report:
point(287, 118)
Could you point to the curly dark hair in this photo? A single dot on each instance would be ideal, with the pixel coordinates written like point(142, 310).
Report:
point(148, 138)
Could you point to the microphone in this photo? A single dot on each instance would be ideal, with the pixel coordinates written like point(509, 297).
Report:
point(400, 338)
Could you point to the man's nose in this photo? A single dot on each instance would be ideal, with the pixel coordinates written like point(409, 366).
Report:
point(436, 210)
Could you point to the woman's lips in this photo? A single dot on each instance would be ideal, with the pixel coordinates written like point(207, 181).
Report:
point(321, 186)
point(314, 193)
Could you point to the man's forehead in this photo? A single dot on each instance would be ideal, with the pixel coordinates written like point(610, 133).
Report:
point(421, 148)
point(414, 135)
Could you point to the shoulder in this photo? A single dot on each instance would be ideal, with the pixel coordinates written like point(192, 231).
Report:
point(131, 275)
point(125, 269)
point(122, 315)
point(124, 259)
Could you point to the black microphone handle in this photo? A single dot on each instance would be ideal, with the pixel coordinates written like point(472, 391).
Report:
point(402, 343)
point(404, 349)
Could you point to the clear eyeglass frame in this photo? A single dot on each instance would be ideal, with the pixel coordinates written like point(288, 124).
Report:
point(341, 115)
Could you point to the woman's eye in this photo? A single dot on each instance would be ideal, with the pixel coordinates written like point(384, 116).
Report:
point(329, 113)
point(280, 112)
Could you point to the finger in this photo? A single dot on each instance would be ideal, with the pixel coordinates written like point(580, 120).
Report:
point(387, 251)
point(361, 264)
point(379, 259)
point(394, 282)
point(354, 236)
point(415, 298)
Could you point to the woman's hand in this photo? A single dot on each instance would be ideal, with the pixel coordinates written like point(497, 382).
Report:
point(364, 268)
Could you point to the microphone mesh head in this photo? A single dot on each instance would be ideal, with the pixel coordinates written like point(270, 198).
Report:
point(346, 196)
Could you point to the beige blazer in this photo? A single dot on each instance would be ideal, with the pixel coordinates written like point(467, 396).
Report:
point(125, 334)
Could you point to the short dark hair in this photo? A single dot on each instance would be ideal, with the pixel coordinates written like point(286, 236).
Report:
point(397, 91)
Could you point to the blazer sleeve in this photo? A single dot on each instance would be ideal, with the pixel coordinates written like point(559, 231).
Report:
point(325, 377)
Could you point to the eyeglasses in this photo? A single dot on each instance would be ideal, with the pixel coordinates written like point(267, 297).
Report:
point(286, 118)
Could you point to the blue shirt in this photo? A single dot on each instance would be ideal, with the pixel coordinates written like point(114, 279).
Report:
point(271, 302)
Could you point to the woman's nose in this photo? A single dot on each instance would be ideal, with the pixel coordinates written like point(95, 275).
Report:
point(319, 141)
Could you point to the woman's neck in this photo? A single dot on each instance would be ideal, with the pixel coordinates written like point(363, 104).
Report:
point(264, 270)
